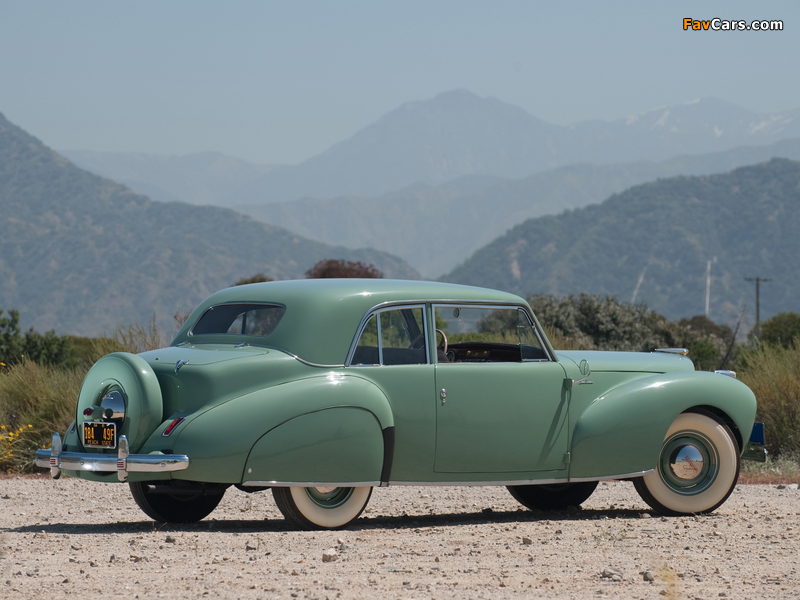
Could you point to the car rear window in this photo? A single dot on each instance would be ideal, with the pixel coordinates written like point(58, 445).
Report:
point(239, 319)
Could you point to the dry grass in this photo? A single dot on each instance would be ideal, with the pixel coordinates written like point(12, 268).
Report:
point(773, 373)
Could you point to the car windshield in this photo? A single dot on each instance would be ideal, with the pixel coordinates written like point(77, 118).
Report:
point(239, 319)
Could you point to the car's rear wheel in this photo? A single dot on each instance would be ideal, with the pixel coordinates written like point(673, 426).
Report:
point(557, 496)
point(177, 502)
point(321, 507)
point(697, 469)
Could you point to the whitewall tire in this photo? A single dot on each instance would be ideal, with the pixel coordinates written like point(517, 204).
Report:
point(697, 469)
point(321, 507)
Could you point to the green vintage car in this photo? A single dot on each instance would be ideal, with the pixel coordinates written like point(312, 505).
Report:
point(321, 390)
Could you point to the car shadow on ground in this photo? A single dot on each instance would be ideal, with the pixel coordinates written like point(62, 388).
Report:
point(482, 517)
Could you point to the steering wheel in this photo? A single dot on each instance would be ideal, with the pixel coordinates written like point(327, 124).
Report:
point(416, 340)
point(443, 344)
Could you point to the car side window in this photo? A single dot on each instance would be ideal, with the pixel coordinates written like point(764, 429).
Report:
point(488, 334)
point(393, 337)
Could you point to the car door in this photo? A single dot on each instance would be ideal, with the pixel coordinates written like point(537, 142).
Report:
point(501, 403)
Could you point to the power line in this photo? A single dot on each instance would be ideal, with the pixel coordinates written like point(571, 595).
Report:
point(758, 281)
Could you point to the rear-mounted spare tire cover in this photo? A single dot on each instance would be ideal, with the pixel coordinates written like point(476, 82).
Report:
point(133, 377)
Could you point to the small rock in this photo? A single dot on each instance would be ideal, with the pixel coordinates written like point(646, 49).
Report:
point(527, 541)
point(42, 535)
point(487, 511)
point(330, 555)
point(781, 487)
point(170, 540)
point(612, 574)
point(663, 593)
point(644, 515)
point(648, 576)
point(93, 564)
point(295, 573)
point(559, 532)
point(76, 546)
point(249, 546)
point(66, 580)
point(339, 541)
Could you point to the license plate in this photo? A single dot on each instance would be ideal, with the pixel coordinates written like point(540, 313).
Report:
point(99, 435)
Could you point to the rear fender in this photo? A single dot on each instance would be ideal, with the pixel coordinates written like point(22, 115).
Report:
point(334, 446)
point(622, 431)
point(219, 440)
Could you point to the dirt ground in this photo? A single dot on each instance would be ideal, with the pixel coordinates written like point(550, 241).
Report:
point(73, 538)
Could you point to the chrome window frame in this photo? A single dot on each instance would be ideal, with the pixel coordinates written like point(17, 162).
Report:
point(548, 350)
point(376, 310)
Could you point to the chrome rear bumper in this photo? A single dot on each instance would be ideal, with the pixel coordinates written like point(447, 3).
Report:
point(123, 463)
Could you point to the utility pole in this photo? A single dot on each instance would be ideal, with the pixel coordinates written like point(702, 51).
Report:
point(708, 284)
point(758, 281)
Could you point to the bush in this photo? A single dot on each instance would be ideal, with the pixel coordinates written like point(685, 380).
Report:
point(35, 401)
point(780, 329)
point(38, 399)
point(773, 373)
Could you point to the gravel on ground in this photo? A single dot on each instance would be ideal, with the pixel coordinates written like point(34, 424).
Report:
point(72, 538)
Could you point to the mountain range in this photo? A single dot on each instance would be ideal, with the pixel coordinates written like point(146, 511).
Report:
point(82, 254)
point(654, 243)
point(458, 133)
point(435, 228)
point(438, 140)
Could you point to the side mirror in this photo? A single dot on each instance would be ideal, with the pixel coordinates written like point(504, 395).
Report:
point(583, 367)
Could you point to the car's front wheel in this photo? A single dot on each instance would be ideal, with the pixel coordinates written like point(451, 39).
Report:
point(321, 507)
point(697, 469)
point(553, 496)
point(177, 502)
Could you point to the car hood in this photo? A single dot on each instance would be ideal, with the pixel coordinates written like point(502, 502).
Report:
point(628, 362)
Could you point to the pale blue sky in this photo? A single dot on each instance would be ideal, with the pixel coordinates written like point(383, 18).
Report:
point(281, 81)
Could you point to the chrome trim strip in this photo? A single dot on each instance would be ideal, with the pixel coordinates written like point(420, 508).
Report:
point(726, 372)
point(681, 351)
point(612, 477)
point(311, 484)
point(480, 483)
point(297, 358)
point(121, 463)
point(445, 483)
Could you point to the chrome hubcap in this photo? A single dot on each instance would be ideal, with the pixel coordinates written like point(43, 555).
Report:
point(329, 497)
point(689, 463)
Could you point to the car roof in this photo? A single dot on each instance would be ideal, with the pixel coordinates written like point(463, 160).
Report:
point(322, 315)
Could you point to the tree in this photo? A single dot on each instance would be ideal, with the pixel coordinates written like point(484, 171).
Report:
point(781, 329)
point(43, 348)
point(260, 278)
point(590, 322)
point(335, 268)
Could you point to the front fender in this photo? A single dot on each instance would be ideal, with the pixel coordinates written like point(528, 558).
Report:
point(622, 431)
point(219, 440)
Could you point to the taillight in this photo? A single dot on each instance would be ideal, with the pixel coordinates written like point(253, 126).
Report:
point(172, 426)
